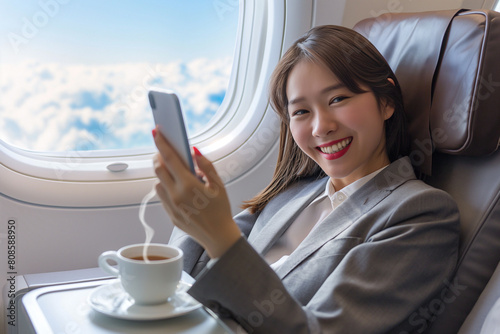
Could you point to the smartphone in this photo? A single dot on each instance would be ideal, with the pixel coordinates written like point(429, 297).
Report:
point(167, 114)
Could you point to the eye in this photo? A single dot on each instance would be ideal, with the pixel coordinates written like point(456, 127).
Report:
point(299, 112)
point(338, 99)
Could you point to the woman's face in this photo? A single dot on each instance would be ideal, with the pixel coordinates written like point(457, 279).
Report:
point(342, 131)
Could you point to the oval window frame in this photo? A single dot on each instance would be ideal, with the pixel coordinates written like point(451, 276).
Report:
point(243, 133)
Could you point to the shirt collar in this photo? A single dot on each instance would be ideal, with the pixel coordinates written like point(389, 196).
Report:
point(348, 190)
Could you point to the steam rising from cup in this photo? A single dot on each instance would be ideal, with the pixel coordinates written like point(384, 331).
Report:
point(149, 231)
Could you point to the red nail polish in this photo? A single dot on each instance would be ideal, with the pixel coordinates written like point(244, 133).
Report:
point(154, 133)
point(196, 151)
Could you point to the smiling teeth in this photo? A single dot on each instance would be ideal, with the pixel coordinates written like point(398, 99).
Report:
point(336, 147)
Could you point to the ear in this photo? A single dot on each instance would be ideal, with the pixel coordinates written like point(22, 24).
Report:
point(388, 108)
point(388, 111)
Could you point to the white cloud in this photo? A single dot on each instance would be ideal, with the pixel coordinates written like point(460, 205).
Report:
point(58, 107)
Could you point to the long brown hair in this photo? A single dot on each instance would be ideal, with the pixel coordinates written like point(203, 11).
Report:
point(355, 62)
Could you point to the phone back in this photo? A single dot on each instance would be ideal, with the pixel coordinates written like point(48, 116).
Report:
point(167, 115)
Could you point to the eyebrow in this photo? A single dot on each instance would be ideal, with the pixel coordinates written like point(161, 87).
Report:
point(323, 91)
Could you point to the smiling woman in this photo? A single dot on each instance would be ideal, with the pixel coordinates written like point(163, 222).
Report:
point(74, 75)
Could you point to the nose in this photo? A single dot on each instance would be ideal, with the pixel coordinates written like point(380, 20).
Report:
point(324, 123)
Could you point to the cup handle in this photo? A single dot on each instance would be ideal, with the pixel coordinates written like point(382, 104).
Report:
point(104, 264)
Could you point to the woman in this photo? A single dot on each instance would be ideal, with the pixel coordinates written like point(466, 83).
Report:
point(345, 239)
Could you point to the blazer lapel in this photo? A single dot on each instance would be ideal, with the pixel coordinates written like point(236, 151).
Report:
point(349, 212)
point(286, 208)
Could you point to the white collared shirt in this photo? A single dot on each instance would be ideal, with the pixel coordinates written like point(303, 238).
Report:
point(311, 217)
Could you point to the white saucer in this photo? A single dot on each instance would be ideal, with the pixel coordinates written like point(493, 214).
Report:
point(112, 300)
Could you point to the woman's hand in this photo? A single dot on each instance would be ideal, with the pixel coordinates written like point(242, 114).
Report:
point(201, 209)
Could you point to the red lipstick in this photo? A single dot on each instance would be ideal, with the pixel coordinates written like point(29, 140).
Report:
point(336, 155)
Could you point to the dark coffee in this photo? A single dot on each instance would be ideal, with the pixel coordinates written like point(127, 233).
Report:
point(150, 258)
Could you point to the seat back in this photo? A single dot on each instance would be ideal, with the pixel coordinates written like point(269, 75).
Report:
point(487, 306)
point(447, 66)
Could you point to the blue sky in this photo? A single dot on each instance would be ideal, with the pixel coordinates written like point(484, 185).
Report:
point(122, 30)
point(78, 70)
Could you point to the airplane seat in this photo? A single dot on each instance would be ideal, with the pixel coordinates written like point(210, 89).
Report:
point(487, 306)
point(447, 65)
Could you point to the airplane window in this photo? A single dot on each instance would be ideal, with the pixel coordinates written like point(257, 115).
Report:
point(74, 75)
point(497, 6)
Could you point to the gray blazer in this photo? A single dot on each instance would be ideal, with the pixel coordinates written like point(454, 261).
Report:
point(367, 268)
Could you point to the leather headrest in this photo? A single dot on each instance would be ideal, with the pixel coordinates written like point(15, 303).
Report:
point(447, 63)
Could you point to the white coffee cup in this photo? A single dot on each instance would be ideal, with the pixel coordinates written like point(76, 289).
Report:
point(149, 282)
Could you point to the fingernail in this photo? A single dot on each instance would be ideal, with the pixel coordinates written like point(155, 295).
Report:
point(154, 133)
point(196, 151)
